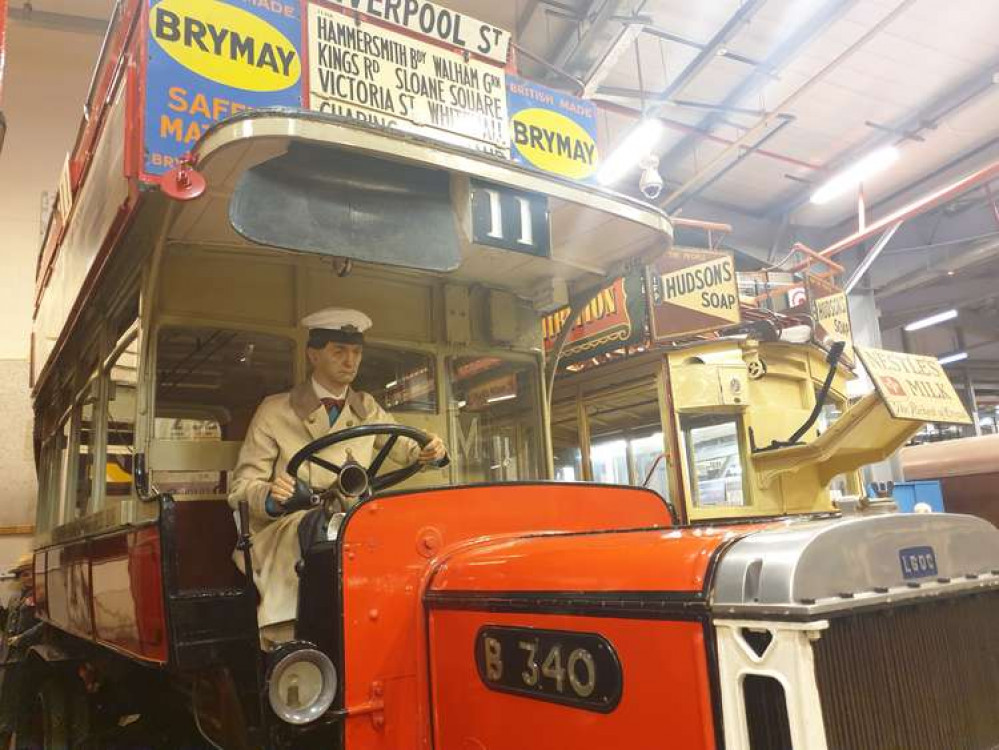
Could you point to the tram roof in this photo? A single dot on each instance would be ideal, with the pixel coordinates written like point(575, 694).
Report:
point(595, 233)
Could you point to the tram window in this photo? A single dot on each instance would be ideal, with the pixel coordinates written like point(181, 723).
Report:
point(714, 460)
point(650, 463)
point(630, 460)
point(122, 375)
point(401, 381)
point(610, 461)
point(565, 443)
point(569, 465)
point(497, 419)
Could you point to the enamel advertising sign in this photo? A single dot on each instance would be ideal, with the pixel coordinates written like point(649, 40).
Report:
point(211, 59)
point(436, 22)
point(831, 312)
point(691, 291)
point(612, 319)
point(552, 131)
point(913, 386)
point(370, 72)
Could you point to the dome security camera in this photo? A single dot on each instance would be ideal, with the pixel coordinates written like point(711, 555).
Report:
point(651, 182)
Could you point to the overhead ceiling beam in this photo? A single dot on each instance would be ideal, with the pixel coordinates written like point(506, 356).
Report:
point(527, 17)
point(787, 103)
point(671, 37)
point(986, 326)
point(916, 207)
point(709, 52)
point(927, 117)
point(773, 63)
point(578, 37)
point(583, 46)
point(743, 155)
point(899, 308)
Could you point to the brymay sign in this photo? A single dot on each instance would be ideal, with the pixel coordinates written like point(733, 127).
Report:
point(209, 60)
point(552, 131)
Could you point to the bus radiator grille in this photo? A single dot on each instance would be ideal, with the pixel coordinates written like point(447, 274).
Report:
point(921, 677)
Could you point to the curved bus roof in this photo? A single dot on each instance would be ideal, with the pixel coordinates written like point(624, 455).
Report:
point(282, 156)
point(595, 233)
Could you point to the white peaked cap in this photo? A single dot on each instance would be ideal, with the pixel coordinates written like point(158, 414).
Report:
point(337, 319)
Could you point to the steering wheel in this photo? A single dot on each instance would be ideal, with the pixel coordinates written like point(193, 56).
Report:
point(375, 483)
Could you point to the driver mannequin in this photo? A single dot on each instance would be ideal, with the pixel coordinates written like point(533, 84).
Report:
point(281, 426)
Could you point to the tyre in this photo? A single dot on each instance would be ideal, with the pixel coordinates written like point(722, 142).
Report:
point(56, 716)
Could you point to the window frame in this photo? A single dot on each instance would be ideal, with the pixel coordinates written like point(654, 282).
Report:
point(129, 335)
point(90, 392)
point(544, 458)
point(689, 467)
point(173, 322)
point(84, 380)
point(436, 362)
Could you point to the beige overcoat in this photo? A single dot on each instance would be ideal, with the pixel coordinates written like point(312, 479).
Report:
point(281, 426)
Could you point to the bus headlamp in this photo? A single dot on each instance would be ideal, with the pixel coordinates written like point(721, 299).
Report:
point(301, 683)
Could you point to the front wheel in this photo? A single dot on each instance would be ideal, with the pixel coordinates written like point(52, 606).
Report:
point(56, 717)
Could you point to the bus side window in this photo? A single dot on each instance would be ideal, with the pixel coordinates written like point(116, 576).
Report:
point(48, 481)
point(121, 372)
point(63, 468)
point(86, 449)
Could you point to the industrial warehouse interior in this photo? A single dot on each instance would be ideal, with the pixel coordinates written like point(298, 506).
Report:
point(466, 375)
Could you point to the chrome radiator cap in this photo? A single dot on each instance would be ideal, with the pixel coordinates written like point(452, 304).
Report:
point(809, 569)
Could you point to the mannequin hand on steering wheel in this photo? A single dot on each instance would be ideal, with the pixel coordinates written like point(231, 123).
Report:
point(352, 479)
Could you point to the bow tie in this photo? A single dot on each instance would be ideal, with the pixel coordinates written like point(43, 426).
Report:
point(333, 408)
point(333, 403)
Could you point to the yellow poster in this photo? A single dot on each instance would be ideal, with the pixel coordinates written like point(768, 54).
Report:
point(913, 386)
point(708, 288)
point(832, 314)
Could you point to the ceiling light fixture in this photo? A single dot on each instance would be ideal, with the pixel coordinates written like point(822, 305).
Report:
point(956, 357)
point(932, 320)
point(851, 177)
point(638, 144)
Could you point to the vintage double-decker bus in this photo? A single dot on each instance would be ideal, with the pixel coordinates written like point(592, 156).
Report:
point(473, 606)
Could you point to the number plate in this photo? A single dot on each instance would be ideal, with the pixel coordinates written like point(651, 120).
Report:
point(576, 669)
point(918, 562)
